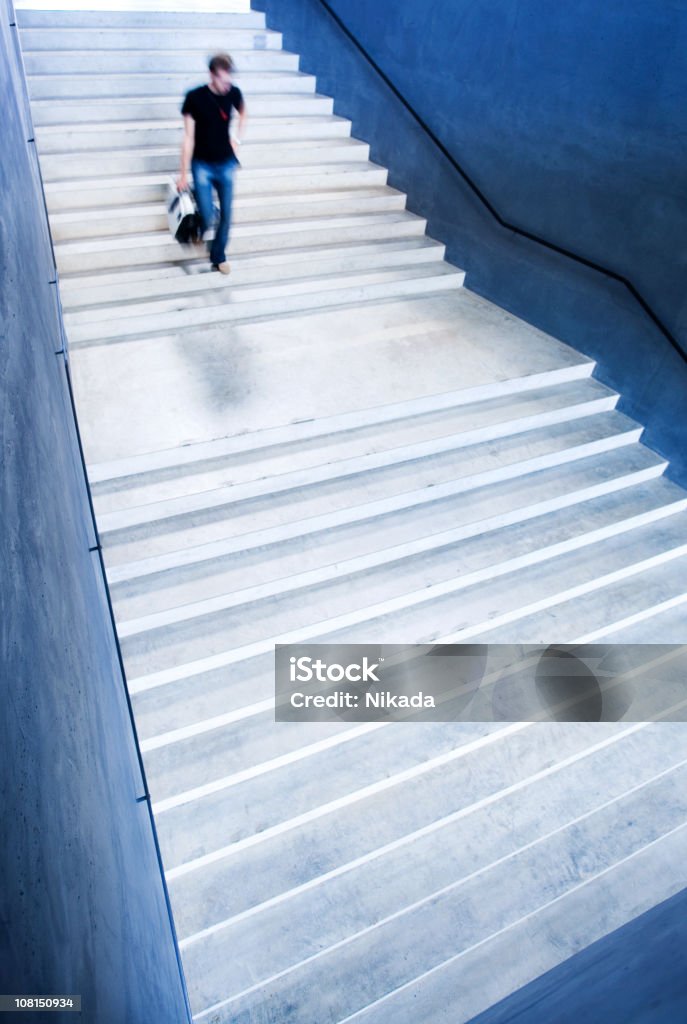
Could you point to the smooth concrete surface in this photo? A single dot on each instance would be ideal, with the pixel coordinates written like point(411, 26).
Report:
point(241, 6)
point(81, 895)
point(160, 392)
point(637, 975)
point(560, 115)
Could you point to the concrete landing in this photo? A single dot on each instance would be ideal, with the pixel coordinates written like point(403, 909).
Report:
point(141, 396)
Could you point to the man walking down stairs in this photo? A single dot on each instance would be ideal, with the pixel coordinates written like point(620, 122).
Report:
point(211, 145)
point(342, 443)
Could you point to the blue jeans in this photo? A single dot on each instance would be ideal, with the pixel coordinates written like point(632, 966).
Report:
point(221, 178)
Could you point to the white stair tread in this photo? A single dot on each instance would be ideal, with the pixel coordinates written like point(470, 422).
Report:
point(263, 453)
point(152, 178)
point(108, 216)
point(470, 548)
point(252, 146)
point(131, 563)
point(526, 793)
point(250, 292)
point(246, 229)
point(271, 301)
point(264, 264)
point(257, 199)
point(593, 618)
point(651, 553)
point(498, 559)
point(103, 282)
point(248, 77)
point(321, 170)
point(263, 939)
point(144, 124)
point(395, 989)
point(608, 426)
point(63, 13)
point(580, 369)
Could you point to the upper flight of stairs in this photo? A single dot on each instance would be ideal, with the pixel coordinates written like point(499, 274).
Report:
point(314, 222)
point(368, 873)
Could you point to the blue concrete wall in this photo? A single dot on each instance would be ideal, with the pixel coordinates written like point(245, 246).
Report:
point(571, 118)
point(635, 975)
point(82, 903)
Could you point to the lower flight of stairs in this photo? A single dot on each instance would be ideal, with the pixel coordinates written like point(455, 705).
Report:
point(348, 871)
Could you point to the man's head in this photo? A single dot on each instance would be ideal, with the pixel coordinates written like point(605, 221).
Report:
point(221, 68)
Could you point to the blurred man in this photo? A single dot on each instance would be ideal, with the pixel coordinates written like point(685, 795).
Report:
point(211, 148)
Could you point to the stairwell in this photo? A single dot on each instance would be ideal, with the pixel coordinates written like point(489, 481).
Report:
point(342, 443)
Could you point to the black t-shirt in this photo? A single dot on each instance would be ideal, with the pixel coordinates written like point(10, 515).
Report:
point(212, 115)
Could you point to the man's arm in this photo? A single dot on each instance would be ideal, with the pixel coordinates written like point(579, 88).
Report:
point(186, 150)
point(237, 136)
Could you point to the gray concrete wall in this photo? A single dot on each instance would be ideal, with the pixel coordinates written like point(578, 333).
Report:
point(82, 901)
point(571, 118)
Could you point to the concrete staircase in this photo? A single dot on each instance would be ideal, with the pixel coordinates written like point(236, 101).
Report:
point(437, 471)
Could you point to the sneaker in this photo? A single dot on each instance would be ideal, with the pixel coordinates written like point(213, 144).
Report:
point(223, 268)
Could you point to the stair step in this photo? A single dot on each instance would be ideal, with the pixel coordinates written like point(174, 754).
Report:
point(246, 748)
point(123, 40)
point(247, 238)
point(259, 301)
point(447, 558)
point(551, 921)
point(64, 140)
point(666, 626)
point(174, 60)
point(433, 618)
point(647, 587)
point(473, 551)
point(555, 487)
point(69, 195)
point(223, 297)
point(81, 292)
point(593, 618)
point(445, 805)
point(425, 617)
point(458, 459)
point(305, 430)
point(342, 760)
point(205, 697)
point(392, 604)
point(483, 557)
point(264, 454)
point(80, 110)
point(192, 20)
point(255, 156)
point(156, 83)
point(76, 225)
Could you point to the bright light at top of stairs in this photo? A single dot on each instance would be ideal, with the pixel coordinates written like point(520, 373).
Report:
point(224, 6)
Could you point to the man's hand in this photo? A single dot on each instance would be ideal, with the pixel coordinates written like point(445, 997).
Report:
point(182, 181)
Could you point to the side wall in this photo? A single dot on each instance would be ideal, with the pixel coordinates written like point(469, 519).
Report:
point(637, 975)
point(571, 119)
point(82, 903)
